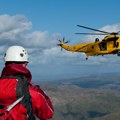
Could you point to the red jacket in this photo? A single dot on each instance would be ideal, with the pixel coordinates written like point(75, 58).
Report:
point(41, 103)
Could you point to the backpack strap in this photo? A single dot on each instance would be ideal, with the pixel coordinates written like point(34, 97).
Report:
point(14, 104)
point(26, 101)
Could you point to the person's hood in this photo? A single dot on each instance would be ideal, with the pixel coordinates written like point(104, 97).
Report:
point(16, 69)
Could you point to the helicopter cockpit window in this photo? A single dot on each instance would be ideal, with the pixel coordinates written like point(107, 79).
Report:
point(97, 40)
point(103, 46)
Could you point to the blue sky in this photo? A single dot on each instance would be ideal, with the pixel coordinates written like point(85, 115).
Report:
point(37, 24)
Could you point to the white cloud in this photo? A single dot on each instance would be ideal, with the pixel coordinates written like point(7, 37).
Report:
point(42, 45)
point(111, 28)
point(38, 39)
point(11, 27)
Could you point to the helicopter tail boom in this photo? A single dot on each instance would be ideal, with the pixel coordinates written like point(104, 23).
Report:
point(74, 48)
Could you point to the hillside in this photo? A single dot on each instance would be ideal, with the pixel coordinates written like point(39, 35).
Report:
point(75, 101)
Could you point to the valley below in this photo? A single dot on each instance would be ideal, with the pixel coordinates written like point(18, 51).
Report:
point(85, 98)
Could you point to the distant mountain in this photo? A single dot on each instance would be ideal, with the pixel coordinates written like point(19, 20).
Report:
point(112, 116)
point(104, 81)
point(95, 97)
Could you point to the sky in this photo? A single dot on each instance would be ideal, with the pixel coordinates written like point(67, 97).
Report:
point(37, 25)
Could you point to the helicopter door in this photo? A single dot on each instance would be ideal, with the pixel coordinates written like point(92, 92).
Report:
point(103, 46)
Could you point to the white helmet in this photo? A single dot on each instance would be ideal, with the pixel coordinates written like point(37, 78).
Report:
point(16, 54)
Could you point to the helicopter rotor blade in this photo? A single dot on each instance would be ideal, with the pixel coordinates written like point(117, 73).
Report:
point(60, 41)
point(92, 33)
point(93, 29)
point(63, 39)
point(67, 42)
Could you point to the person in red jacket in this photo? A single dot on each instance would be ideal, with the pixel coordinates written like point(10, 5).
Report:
point(16, 60)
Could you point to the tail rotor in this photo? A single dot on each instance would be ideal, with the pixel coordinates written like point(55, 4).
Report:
point(61, 42)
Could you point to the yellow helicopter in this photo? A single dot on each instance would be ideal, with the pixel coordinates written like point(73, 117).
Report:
point(109, 45)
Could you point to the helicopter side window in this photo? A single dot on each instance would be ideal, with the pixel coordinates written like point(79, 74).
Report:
point(103, 46)
point(97, 40)
point(116, 44)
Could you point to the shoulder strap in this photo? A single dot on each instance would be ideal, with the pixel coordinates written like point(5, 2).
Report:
point(26, 101)
point(14, 104)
